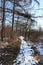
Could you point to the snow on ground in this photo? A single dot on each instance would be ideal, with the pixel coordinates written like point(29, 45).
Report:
point(40, 48)
point(25, 57)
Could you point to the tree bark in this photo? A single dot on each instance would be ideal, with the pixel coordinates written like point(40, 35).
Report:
point(3, 21)
point(13, 19)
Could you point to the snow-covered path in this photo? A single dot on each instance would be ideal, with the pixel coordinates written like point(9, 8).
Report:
point(25, 57)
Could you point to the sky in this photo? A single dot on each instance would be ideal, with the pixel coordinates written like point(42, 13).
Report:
point(40, 20)
point(34, 11)
point(39, 13)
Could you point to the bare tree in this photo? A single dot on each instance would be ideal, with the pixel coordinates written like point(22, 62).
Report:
point(13, 11)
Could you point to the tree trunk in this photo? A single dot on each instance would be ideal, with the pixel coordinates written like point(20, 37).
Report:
point(13, 19)
point(3, 21)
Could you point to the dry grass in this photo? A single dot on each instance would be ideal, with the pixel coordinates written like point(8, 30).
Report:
point(13, 43)
point(39, 58)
